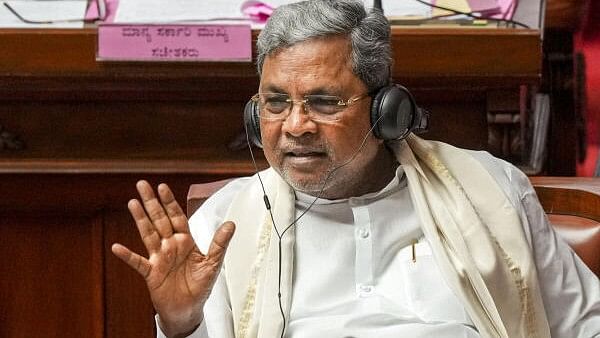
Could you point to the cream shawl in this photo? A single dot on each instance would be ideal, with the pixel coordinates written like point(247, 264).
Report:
point(474, 232)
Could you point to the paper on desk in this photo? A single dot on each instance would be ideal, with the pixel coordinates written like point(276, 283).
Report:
point(156, 11)
point(530, 12)
point(485, 7)
point(403, 8)
point(43, 11)
point(390, 7)
point(457, 5)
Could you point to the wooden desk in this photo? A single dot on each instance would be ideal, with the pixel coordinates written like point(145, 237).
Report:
point(64, 105)
point(89, 130)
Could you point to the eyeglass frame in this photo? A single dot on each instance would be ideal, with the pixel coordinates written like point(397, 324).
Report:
point(101, 7)
point(343, 104)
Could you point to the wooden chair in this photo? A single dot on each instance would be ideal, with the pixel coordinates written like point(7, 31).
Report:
point(198, 193)
point(571, 203)
point(573, 208)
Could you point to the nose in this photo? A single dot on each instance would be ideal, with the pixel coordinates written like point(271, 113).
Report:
point(298, 122)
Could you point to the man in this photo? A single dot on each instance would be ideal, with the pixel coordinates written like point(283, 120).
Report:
point(358, 236)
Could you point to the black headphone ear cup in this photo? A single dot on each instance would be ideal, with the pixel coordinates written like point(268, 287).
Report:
point(376, 111)
point(252, 123)
point(393, 113)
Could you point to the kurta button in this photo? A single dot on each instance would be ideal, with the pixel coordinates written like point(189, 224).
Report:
point(365, 289)
point(363, 232)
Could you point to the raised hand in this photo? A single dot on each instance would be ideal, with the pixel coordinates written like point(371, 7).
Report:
point(179, 277)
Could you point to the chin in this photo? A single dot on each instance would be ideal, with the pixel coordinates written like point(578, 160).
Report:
point(308, 189)
point(306, 183)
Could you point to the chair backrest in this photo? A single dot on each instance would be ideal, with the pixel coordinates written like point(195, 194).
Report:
point(573, 208)
point(571, 203)
point(200, 192)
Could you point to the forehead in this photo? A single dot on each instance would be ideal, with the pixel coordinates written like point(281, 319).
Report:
point(323, 63)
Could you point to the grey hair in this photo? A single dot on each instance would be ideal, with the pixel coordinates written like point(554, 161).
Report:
point(369, 34)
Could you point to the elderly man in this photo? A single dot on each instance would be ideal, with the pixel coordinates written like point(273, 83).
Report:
point(356, 230)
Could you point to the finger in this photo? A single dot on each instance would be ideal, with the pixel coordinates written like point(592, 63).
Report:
point(149, 236)
point(220, 241)
point(178, 218)
point(154, 209)
point(137, 262)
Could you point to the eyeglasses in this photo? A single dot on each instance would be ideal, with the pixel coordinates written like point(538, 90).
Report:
point(320, 108)
point(101, 7)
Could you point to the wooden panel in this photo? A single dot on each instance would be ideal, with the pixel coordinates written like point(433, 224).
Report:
point(559, 83)
point(59, 278)
point(74, 114)
point(127, 298)
point(51, 283)
point(178, 137)
point(72, 51)
point(472, 53)
point(456, 116)
point(564, 14)
point(140, 130)
point(83, 194)
point(467, 53)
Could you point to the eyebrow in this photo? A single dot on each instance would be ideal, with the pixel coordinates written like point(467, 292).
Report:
point(274, 89)
point(324, 91)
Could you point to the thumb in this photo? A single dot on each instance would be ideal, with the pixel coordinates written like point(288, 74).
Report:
point(220, 241)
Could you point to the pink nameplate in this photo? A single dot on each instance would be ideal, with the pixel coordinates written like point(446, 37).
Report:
point(174, 42)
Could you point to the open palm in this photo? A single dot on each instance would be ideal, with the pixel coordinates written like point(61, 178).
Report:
point(179, 277)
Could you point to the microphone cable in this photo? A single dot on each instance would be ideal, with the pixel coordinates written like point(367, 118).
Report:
point(268, 204)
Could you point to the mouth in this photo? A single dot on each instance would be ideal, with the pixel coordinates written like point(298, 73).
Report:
point(304, 158)
point(304, 153)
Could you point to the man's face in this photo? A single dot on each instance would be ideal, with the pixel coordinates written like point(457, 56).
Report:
point(304, 151)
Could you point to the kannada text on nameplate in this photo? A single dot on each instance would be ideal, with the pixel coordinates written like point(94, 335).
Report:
point(170, 42)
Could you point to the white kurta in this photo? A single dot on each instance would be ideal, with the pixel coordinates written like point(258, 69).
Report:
point(355, 274)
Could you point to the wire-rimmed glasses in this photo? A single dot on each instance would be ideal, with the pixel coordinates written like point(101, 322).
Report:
point(319, 108)
point(101, 7)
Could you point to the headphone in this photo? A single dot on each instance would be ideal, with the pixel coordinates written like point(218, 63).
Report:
point(394, 115)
